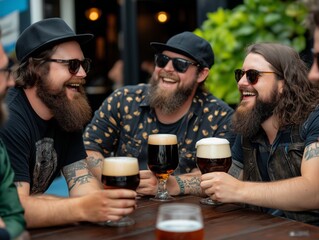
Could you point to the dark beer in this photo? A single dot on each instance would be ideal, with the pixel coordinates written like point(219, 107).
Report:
point(179, 230)
point(207, 165)
point(162, 154)
point(129, 182)
point(213, 154)
point(120, 172)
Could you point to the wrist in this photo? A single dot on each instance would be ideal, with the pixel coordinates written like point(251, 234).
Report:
point(181, 185)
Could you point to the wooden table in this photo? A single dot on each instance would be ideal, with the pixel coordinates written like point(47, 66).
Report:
point(227, 221)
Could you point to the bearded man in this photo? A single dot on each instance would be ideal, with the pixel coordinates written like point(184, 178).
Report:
point(276, 153)
point(47, 113)
point(174, 102)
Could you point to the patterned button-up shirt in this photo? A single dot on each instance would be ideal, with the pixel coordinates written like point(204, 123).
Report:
point(123, 122)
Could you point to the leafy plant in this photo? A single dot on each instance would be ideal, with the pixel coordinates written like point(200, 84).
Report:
point(231, 31)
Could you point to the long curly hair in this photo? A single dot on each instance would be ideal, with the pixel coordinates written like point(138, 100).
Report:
point(299, 97)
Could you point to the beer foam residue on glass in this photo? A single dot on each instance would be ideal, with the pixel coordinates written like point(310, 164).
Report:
point(120, 166)
point(213, 148)
point(179, 225)
point(162, 139)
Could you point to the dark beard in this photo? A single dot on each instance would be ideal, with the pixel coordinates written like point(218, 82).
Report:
point(248, 122)
point(168, 102)
point(72, 115)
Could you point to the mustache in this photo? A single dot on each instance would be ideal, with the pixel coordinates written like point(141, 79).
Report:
point(164, 74)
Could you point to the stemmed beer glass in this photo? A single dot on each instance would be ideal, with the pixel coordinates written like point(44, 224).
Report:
point(213, 155)
point(162, 161)
point(120, 172)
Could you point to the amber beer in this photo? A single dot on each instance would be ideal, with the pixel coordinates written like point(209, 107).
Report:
point(179, 221)
point(213, 154)
point(120, 172)
point(162, 154)
point(179, 230)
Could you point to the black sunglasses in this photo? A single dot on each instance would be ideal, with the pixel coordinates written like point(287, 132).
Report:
point(180, 65)
point(74, 64)
point(252, 75)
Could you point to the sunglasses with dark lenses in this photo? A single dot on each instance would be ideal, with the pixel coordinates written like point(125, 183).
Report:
point(180, 65)
point(252, 75)
point(74, 64)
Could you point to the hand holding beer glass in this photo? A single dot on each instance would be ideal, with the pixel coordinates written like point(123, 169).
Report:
point(162, 161)
point(213, 155)
point(178, 221)
point(120, 172)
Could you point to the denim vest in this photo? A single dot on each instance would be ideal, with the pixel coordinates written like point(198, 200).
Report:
point(284, 162)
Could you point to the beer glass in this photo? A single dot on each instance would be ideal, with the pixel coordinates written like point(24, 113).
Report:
point(213, 155)
point(120, 172)
point(162, 161)
point(178, 221)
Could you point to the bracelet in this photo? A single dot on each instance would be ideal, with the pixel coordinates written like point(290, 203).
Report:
point(180, 184)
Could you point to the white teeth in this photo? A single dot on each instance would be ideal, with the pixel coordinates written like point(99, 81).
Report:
point(74, 84)
point(169, 80)
point(248, 93)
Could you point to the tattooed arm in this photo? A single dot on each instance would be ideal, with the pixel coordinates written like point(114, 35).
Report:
point(88, 202)
point(176, 185)
point(95, 161)
point(299, 193)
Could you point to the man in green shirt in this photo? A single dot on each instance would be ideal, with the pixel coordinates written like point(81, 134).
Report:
point(12, 223)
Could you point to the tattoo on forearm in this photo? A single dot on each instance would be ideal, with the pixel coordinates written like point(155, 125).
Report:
point(94, 162)
point(193, 185)
point(312, 151)
point(70, 173)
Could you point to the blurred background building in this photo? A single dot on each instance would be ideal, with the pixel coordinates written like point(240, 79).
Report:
point(123, 30)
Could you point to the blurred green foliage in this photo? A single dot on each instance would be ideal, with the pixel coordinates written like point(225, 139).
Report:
point(231, 31)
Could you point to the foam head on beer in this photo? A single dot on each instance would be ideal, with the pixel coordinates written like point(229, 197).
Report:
point(162, 139)
point(213, 147)
point(120, 166)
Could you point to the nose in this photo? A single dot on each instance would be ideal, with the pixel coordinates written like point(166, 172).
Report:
point(169, 66)
point(313, 74)
point(81, 73)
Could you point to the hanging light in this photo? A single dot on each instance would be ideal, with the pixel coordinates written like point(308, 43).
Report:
point(93, 14)
point(162, 17)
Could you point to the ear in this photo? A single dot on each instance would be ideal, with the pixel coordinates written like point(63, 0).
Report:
point(203, 75)
point(280, 86)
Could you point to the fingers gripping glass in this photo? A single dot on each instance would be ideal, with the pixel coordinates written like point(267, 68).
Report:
point(252, 75)
point(74, 64)
point(180, 65)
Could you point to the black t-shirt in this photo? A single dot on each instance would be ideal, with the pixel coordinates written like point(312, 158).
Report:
point(38, 149)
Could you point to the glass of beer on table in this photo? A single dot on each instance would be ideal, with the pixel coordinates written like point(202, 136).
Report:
point(120, 172)
point(179, 221)
point(213, 155)
point(162, 161)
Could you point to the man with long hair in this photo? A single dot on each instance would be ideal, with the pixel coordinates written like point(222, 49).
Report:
point(276, 153)
point(48, 109)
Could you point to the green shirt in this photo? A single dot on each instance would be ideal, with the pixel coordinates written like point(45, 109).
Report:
point(11, 210)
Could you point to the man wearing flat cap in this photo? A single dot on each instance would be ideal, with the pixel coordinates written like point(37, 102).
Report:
point(175, 102)
point(43, 135)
